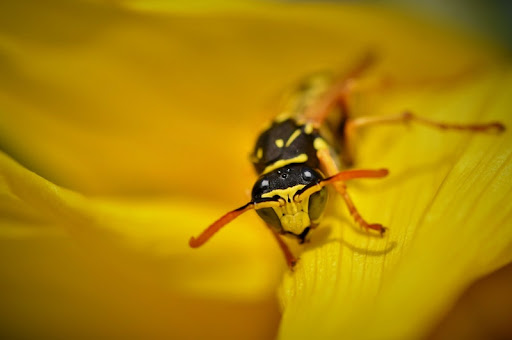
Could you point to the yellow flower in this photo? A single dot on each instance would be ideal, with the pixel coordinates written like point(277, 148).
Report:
point(125, 130)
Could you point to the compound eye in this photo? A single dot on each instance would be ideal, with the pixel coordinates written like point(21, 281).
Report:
point(270, 217)
point(317, 204)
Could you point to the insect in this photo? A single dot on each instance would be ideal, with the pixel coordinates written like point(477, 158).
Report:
point(301, 152)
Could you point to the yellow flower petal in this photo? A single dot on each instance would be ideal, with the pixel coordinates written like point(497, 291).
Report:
point(138, 251)
point(157, 228)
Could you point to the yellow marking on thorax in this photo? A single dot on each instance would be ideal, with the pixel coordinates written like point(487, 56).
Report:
point(279, 143)
point(282, 116)
point(294, 136)
point(308, 128)
point(320, 144)
point(259, 153)
point(302, 158)
point(293, 215)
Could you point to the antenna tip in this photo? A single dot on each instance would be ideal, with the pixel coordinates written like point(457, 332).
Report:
point(193, 243)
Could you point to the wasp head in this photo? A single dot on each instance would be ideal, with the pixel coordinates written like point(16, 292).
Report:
point(297, 213)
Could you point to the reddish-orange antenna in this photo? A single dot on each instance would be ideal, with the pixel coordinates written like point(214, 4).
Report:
point(357, 173)
point(340, 176)
point(230, 216)
point(221, 222)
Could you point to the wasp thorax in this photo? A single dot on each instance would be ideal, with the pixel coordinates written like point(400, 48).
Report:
point(294, 215)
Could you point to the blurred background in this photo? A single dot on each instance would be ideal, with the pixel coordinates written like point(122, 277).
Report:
point(488, 18)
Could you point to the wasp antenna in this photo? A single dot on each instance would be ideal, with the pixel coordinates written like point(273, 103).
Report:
point(217, 225)
point(353, 174)
point(340, 176)
point(368, 59)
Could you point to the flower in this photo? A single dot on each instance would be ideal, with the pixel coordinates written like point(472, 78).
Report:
point(125, 130)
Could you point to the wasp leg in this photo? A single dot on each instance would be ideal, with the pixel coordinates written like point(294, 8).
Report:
point(291, 260)
point(407, 117)
point(329, 166)
point(338, 93)
point(353, 124)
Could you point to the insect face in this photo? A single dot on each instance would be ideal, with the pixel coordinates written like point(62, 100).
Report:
point(296, 213)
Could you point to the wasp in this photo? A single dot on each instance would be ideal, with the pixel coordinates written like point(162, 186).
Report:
point(302, 151)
